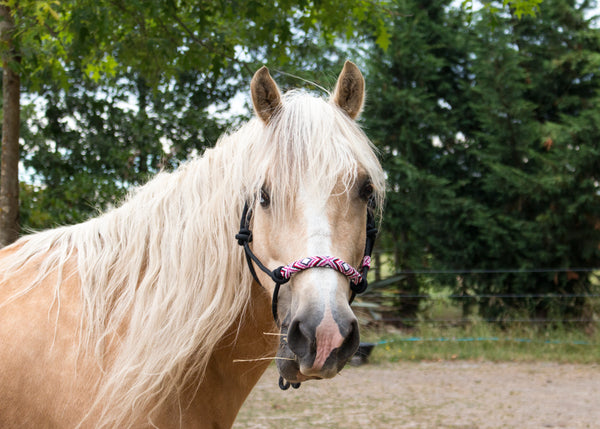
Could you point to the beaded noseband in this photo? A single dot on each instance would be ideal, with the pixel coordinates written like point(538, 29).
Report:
point(326, 262)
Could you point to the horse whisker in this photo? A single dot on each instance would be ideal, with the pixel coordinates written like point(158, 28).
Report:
point(258, 359)
point(274, 333)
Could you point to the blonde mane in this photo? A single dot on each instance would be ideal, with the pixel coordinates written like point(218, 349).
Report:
point(162, 277)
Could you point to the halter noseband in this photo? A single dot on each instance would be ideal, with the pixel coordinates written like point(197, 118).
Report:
point(282, 274)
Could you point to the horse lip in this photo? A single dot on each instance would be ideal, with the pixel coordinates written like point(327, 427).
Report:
point(300, 378)
point(289, 366)
point(289, 363)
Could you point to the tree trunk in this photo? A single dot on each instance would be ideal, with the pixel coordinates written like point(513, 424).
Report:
point(9, 167)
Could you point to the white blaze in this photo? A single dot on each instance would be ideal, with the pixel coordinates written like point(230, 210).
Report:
point(318, 243)
point(323, 282)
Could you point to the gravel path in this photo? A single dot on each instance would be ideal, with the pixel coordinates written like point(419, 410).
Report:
point(453, 395)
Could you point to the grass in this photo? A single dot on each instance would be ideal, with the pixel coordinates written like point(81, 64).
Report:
point(484, 342)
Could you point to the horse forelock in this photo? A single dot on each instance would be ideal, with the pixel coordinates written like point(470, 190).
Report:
point(310, 143)
point(165, 263)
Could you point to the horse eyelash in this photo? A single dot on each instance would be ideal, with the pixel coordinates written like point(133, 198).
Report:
point(366, 190)
point(264, 198)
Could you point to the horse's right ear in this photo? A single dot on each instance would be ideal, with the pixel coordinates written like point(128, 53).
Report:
point(266, 97)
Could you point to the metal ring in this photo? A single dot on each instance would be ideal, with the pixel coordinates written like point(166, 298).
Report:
point(284, 384)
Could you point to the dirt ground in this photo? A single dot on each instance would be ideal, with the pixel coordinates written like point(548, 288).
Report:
point(432, 395)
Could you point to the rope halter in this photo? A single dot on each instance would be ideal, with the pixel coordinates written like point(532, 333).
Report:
point(281, 275)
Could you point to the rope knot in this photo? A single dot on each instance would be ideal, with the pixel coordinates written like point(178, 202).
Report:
point(372, 232)
point(278, 276)
point(244, 236)
point(360, 287)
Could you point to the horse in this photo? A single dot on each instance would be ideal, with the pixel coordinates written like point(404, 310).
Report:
point(152, 315)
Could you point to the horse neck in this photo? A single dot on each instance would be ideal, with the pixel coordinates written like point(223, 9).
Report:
point(235, 367)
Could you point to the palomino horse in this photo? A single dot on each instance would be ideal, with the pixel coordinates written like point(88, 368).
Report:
point(150, 316)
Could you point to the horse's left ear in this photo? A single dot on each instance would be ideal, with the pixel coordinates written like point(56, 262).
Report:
point(349, 91)
point(266, 97)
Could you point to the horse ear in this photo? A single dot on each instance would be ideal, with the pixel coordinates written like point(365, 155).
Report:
point(349, 91)
point(266, 97)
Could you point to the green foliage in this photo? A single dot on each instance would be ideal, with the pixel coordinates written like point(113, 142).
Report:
point(518, 8)
point(540, 198)
point(159, 39)
point(489, 135)
point(123, 89)
point(411, 85)
point(92, 144)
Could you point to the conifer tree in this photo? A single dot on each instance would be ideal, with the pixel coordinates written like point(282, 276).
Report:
point(489, 133)
point(413, 86)
point(533, 202)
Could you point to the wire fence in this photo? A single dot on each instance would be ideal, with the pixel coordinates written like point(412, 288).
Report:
point(501, 296)
point(484, 339)
point(444, 312)
point(467, 321)
point(500, 271)
point(386, 297)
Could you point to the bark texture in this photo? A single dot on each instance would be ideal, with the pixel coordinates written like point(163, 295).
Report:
point(9, 168)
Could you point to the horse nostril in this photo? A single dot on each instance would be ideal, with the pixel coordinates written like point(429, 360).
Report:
point(300, 340)
point(351, 342)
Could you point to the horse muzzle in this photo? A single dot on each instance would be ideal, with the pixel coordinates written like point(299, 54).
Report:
point(316, 344)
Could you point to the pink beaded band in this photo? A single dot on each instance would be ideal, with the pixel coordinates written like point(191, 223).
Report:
point(326, 262)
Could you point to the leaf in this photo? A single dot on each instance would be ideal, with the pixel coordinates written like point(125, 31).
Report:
point(383, 37)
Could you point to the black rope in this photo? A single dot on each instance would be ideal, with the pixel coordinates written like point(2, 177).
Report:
point(372, 231)
point(274, 303)
point(244, 238)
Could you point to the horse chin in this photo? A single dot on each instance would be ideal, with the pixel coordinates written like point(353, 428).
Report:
point(290, 371)
point(289, 367)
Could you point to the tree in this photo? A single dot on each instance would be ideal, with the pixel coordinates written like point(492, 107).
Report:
point(92, 144)
point(412, 86)
point(11, 87)
point(530, 203)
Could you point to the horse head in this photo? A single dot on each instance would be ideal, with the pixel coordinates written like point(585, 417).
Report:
point(313, 203)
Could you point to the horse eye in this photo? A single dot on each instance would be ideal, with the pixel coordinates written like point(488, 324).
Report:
point(265, 200)
point(366, 191)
